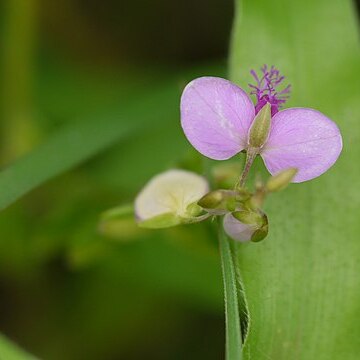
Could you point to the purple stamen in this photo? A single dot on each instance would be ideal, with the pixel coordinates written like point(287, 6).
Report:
point(265, 89)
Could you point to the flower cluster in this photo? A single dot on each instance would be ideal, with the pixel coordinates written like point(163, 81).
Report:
point(220, 121)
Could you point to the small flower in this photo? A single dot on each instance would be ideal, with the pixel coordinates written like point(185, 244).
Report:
point(246, 226)
point(217, 115)
point(170, 198)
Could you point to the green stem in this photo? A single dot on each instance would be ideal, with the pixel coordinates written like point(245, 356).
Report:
point(232, 317)
point(197, 219)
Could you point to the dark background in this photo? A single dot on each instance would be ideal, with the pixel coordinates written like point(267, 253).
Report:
point(66, 291)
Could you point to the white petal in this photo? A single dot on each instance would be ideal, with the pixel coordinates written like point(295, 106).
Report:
point(170, 192)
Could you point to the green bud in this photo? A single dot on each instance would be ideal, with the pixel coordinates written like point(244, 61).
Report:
point(193, 210)
point(249, 217)
point(219, 201)
point(260, 234)
point(245, 225)
point(260, 127)
point(231, 204)
point(212, 199)
point(281, 180)
point(242, 194)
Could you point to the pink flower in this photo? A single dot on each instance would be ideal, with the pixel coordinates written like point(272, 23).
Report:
point(216, 116)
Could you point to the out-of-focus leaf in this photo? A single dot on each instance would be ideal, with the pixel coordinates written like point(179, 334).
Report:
point(302, 282)
point(77, 142)
point(119, 212)
point(10, 351)
point(119, 223)
point(146, 111)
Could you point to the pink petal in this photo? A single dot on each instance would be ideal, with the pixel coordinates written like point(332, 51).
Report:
point(302, 138)
point(216, 116)
point(238, 230)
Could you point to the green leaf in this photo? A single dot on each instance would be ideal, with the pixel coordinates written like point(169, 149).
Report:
point(77, 142)
point(119, 223)
point(10, 351)
point(143, 112)
point(232, 319)
point(302, 282)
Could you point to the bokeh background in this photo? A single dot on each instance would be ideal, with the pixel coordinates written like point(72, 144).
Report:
point(71, 288)
point(67, 291)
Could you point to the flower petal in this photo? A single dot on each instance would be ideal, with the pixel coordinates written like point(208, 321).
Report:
point(304, 139)
point(238, 230)
point(216, 116)
point(170, 192)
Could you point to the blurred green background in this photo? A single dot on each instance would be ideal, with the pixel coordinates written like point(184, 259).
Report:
point(83, 79)
point(67, 291)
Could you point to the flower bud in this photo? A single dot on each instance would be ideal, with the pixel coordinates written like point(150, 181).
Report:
point(260, 128)
point(280, 180)
point(246, 226)
point(218, 202)
point(169, 199)
point(193, 210)
point(249, 217)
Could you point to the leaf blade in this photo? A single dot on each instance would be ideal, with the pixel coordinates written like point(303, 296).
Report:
point(77, 142)
point(10, 351)
point(233, 346)
point(301, 283)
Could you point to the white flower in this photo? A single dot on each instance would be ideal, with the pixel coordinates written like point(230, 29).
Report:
point(170, 198)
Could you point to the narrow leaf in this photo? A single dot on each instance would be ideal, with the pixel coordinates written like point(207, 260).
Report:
point(76, 143)
point(10, 351)
point(232, 319)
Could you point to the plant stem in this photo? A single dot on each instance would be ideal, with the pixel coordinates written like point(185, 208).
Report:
point(232, 317)
point(250, 157)
point(197, 219)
